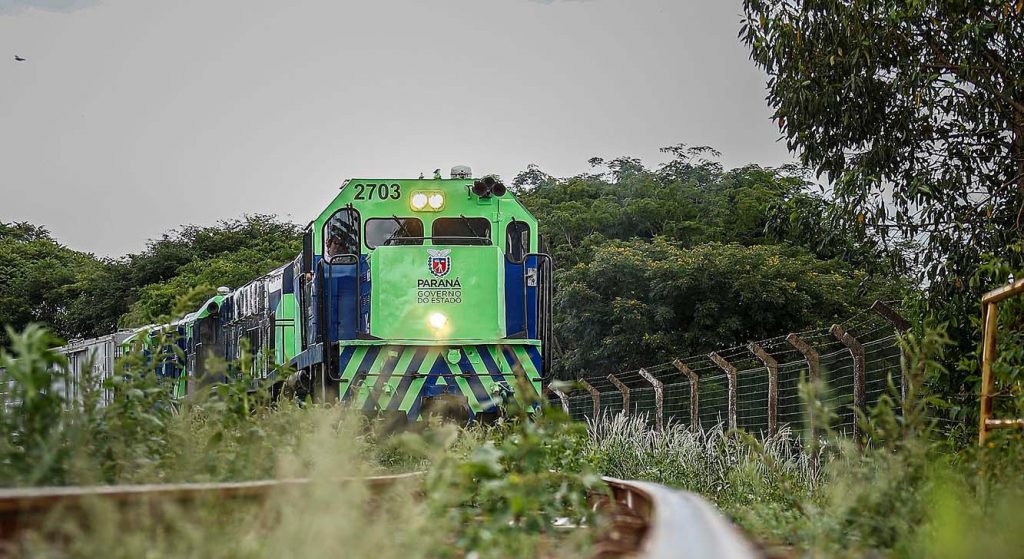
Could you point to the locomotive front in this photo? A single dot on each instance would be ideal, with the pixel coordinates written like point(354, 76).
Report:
point(412, 295)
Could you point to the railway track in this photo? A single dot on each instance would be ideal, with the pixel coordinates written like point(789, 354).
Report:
point(651, 521)
point(648, 521)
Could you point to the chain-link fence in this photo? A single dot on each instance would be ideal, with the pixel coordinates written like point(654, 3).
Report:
point(755, 387)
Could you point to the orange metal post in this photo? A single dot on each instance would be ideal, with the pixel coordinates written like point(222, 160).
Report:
point(989, 325)
point(990, 319)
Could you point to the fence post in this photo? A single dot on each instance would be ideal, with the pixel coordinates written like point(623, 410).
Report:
point(857, 351)
point(809, 353)
point(562, 397)
point(659, 397)
point(773, 385)
point(730, 372)
point(811, 356)
point(901, 325)
point(594, 395)
point(694, 392)
point(891, 316)
point(625, 393)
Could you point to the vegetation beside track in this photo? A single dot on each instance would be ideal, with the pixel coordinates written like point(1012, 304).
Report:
point(494, 491)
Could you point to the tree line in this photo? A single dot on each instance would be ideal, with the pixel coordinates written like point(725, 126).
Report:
point(687, 257)
point(76, 294)
point(651, 262)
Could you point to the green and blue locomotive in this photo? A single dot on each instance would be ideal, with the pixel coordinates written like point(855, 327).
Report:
point(409, 294)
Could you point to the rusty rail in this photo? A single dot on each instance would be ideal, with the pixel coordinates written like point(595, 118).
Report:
point(22, 508)
point(651, 521)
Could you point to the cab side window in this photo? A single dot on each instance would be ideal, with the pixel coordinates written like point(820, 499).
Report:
point(341, 233)
point(517, 241)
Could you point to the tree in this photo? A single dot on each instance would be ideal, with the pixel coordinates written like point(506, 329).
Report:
point(636, 303)
point(687, 257)
point(914, 110)
point(38, 278)
point(77, 295)
point(193, 261)
point(689, 199)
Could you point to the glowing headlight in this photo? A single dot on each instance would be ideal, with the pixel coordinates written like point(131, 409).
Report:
point(419, 201)
point(436, 200)
point(437, 320)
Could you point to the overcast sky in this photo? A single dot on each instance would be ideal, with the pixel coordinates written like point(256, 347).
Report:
point(131, 117)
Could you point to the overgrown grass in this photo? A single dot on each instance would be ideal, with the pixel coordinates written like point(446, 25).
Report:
point(493, 491)
point(489, 492)
point(764, 485)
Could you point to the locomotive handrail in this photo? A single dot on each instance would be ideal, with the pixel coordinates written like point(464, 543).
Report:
point(326, 300)
point(544, 300)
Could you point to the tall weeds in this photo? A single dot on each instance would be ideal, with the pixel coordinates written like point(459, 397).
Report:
point(488, 492)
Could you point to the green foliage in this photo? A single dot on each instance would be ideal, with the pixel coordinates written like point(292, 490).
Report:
point(494, 491)
point(38, 277)
point(915, 113)
point(653, 264)
point(488, 492)
point(958, 382)
point(78, 295)
point(712, 462)
point(690, 200)
point(912, 109)
point(32, 448)
point(907, 494)
point(197, 260)
point(877, 499)
point(516, 480)
point(636, 302)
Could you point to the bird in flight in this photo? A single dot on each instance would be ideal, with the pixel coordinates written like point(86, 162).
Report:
point(18, 58)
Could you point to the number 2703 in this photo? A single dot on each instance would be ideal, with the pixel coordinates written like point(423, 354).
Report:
point(378, 191)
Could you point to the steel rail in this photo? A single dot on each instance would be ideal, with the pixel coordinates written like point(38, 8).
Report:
point(651, 521)
point(20, 508)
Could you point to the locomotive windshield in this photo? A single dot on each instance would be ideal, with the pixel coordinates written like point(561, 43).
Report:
point(461, 231)
point(341, 234)
point(397, 230)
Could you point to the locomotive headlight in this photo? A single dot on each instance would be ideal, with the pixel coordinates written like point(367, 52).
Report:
point(418, 201)
point(436, 200)
point(437, 320)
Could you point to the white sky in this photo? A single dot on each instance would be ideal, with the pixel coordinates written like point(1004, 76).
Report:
point(131, 117)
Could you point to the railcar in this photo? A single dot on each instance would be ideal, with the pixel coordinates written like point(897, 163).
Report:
point(409, 295)
point(95, 354)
